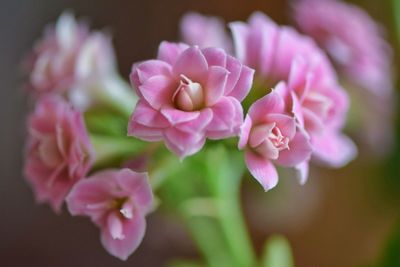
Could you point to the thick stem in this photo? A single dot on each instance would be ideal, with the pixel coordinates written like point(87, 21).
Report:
point(207, 192)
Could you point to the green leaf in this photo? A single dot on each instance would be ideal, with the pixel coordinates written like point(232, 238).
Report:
point(277, 253)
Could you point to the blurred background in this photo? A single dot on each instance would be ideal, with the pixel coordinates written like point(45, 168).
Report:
point(345, 217)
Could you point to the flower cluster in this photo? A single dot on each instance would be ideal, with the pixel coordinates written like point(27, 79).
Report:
point(269, 89)
point(356, 45)
point(71, 69)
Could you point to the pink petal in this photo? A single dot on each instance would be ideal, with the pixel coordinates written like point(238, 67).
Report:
point(139, 187)
point(215, 56)
point(300, 150)
point(302, 172)
point(198, 124)
point(224, 114)
point(175, 116)
point(216, 81)
point(234, 67)
point(145, 70)
point(183, 144)
point(312, 122)
point(169, 52)
point(133, 232)
point(145, 133)
point(259, 133)
point(115, 227)
point(262, 169)
point(89, 192)
point(243, 85)
point(271, 103)
point(240, 34)
point(192, 64)
point(158, 91)
point(144, 114)
point(245, 132)
point(334, 149)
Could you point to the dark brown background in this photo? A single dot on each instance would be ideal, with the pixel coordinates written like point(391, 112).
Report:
point(339, 218)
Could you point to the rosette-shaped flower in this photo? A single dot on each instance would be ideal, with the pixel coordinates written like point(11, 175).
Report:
point(271, 136)
point(205, 31)
point(352, 39)
point(79, 65)
point(188, 94)
point(318, 101)
point(54, 57)
point(321, 107)
point(117, 201)
point(59, 152)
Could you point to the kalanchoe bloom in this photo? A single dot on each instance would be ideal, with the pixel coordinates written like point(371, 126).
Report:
point(79, 65)
point(59, 152)
point(352, 38)
point(320, 104)
point(271, 136)
point(205, 31)
point(117, 201)
point(54, 57)
point(188, 94)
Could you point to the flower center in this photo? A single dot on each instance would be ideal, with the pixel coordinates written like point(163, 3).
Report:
point(267, 140)
point(278, 140)
point(189, 95)
point(123, 206)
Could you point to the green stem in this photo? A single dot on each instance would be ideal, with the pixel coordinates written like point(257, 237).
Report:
point(109, 148)
point(228, 176)
point(204, 190)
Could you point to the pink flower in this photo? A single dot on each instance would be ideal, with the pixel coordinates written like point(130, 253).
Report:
point(77, 64)
point(353, 40)
point(321, 106)
point(319, 103)
point(117, 201)
point(205, 31)
point(188, 94)
point(54, 57)
point(59, 152)
point(272, 136)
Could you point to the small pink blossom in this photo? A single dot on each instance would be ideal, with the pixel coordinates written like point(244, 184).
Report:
point(117, 201)
point(272, 136)
point(59, 152)
point(54, 57)
point(279, 53)
point(78, 64)
point(353, 40)
point(205, 31)
point(188, 94)
point(321, 107)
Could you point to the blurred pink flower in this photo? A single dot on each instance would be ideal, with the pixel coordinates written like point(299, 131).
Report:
point(352, 39)
point(321, 107)
point(272, 136)
point(54, 57)
point(117, 201)
point(188, 94)
point(75, 63)
point(59, 152)
point(279, 53)
point(205, 31)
